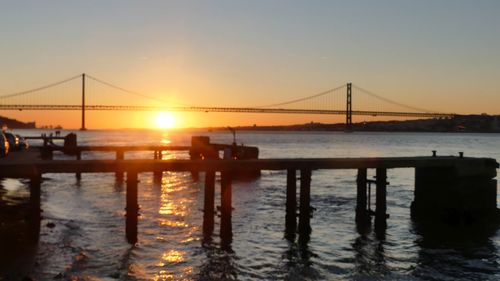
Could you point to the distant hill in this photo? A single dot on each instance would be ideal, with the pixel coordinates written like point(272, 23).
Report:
point(462, 123)
point(15, 124)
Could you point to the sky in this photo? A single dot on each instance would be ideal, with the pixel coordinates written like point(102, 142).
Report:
point(434, 54)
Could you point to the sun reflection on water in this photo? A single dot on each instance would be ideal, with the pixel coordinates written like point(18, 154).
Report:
point(176, 203)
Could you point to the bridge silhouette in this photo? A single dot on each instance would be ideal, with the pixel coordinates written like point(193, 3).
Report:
point(335, 101)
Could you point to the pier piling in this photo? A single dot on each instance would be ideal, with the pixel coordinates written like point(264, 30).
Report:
point(209, 201)
point(305, 200)
point(119, 174)
point(381, 199)
point(132, 207)
point(226, 231)
point(362, 215)
point(157, 175)
point(291, 204)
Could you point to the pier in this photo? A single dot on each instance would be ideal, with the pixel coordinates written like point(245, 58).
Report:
point(447, 187)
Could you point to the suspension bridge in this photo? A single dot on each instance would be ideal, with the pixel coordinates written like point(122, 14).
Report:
point(335, 101)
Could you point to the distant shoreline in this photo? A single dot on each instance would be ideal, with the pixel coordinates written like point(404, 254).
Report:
point(465, 123)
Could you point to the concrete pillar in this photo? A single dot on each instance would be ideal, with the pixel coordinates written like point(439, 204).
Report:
point(291, 204)
point(132, 208)
point(462, 193)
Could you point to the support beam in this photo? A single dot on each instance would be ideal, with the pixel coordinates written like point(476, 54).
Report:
point(305, 207)
point(381, 199)
point(291, 204)
point(362, 215)
point(35, 206)
point(132, 207)
point(209, 202)
point(226, 231)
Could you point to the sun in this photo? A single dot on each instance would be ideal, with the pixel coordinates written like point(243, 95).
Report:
point(165, 120)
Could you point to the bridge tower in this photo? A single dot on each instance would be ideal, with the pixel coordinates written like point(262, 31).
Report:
point(83, 103)
point(348, 112)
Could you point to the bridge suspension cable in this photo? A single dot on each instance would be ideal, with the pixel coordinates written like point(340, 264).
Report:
point(393, 102)
point(131, 92)
point(302, 99)
point(40, 88)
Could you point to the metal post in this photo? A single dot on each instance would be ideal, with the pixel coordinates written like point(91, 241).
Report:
point(83, 103)
point(305, 208)
point(132, 207)
point(348, 112)
point(208, 207)
point(381, 200)
point(361, 197)
point(226, 231)
point(291, 204)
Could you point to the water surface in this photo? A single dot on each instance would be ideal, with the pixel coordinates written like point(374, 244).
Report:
point(88, 241)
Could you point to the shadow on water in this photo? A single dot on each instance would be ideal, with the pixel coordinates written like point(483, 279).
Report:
point(457, 252)
point(220, 261)
point(18, 237)
point(298, 257)
point(369, 257)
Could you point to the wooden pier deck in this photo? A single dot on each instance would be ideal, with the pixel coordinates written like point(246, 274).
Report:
point(447, 182)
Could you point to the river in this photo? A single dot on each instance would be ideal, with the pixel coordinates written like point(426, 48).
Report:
point(82, 234)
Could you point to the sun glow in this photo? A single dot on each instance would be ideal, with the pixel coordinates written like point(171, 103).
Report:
point(165, 120)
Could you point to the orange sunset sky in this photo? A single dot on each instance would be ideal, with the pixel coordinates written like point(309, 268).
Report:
point(436, 55)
